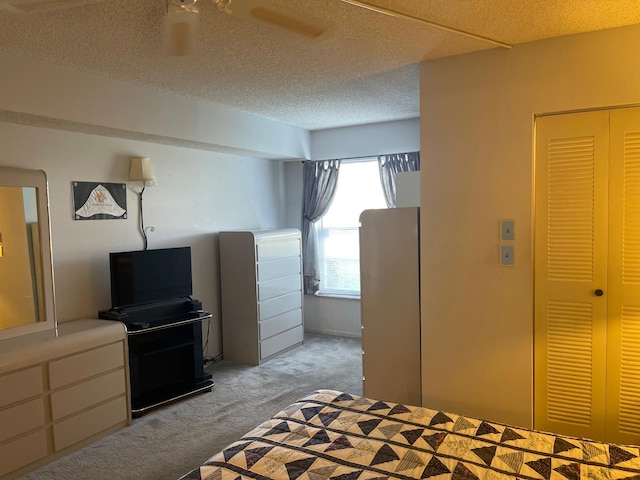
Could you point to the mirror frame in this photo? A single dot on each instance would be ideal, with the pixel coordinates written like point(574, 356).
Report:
point(20, 177)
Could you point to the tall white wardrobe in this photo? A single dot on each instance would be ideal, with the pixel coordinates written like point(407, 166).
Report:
point(587, 274)
point(390, 304)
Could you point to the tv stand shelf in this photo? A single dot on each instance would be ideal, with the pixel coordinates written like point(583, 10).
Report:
point(165, 360)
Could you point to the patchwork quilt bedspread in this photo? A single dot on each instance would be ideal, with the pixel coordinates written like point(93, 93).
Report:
point(335, 435)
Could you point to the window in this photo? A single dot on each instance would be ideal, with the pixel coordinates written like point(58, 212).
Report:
point(358, 189)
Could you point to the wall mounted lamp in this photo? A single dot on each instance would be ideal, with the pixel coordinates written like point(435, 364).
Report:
point(140, 170)
point(0, 245)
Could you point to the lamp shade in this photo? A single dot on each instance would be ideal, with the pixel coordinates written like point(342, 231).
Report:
point(140, 171)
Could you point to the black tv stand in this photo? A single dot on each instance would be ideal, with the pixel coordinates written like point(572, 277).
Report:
point(165, 353)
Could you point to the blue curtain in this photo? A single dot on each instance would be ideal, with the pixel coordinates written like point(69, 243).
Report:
point(319, 188)
point(389, 165)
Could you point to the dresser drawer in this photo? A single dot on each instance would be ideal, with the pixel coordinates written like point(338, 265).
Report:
point(274, 325)
point(279, 286)
point(20, 385)
point(280, 342)
point(276, 306)
point(84, 365)
point(278, 268)
point(22, 451)
point(21, 418)
point(277, 247)
point(91, 422)
point(84, 395)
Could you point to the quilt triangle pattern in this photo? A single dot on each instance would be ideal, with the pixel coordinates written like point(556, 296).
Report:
point(562, 445)
point(319, 438)
point(282, 427)
point(510, 434)
point(486, 429)
point(379, 406)
point(369, 426)
point(328, 417)
point(310, 412)
point(398, 409)
point(439, 418)
point(330, 435)
point(254, 455)
point(462, 472)
point(234, 449)
point(435, 440)
point(463, 424)
point(486, 454)
point(340, 443)
point(542, 467)
point(322, 473)
point(434, 468)
point(299, 467)
point(390, 431)
point(513, 460)
point(343, 397)
point(412, 435)
point(570, 471)
point(619, 455)
point(410, 461)
point(384, 455)
point(591, 451)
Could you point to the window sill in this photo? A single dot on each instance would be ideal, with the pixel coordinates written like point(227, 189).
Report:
point(337, 295)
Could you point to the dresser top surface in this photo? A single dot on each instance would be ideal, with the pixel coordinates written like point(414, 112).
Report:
point(68, 338)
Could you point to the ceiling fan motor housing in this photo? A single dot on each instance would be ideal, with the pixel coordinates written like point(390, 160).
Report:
point(184, 3)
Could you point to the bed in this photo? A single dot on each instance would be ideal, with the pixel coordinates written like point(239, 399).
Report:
point(335, 435)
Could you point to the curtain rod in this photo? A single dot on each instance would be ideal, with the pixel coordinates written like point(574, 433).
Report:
point(344, 158)
point(366, 157)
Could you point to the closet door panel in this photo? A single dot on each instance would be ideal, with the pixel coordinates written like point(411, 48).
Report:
point(570, 266)
point(623, 360)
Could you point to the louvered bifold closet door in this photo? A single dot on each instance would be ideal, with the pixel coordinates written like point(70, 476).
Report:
point(570, 265)
point(623, 353)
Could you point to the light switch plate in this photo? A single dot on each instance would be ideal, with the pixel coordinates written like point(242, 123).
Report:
point(508, 230)
point(507, 255)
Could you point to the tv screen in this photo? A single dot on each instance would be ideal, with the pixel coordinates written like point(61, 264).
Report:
point(147, 276)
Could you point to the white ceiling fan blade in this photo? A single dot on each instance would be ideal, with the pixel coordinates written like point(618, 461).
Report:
point(29, 6)
point(297, 23)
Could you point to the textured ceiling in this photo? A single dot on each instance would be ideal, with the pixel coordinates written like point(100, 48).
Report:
point(362, 70)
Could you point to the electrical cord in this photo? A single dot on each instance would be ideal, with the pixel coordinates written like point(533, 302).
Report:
point(205, 349)
point(143, 231)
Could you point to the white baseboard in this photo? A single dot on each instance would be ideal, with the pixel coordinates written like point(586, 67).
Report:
point(335, 333)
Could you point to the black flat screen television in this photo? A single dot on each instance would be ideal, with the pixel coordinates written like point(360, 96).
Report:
point(147, 276)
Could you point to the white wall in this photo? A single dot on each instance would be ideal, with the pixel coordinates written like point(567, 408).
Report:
point(477, 116)
point(36, 92)
point(366, 140)
point(198, 194)
point(331, 315)
point(79, 126)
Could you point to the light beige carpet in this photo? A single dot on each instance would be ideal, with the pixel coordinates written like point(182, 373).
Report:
point(168, 442)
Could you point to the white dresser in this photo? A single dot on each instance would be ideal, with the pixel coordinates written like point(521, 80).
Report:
point(261, 282)
point(59, 393)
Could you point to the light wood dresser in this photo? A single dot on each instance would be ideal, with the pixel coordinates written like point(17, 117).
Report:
point(261, 282)
point(60, 392)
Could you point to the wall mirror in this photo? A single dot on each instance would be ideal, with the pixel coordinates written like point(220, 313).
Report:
point(26, 269)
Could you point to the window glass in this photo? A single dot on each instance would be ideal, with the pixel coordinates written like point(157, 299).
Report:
point(358, 189)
